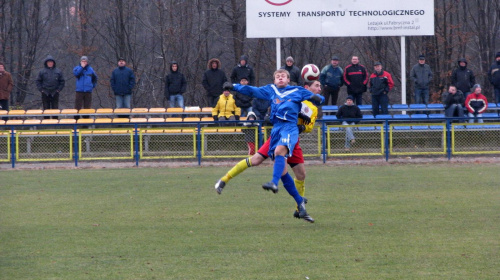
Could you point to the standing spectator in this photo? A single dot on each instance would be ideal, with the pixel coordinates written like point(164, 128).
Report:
point(86, 81)
point(122, 83)
point(421, 74)
point(244, 102)
point(463, 78)
point(453, 102)
point(331, 80)
point(476, 103)
point(295, 77)
point(50, 82)
point(349, 113)
point(6, 86)
point(380, 85)
point(243, 70)
point(213, 79)
point(226, 108)
point(261, 108)
point(356, 79)
point(175, 86)
point(494, 77)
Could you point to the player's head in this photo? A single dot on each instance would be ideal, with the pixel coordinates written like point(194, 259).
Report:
point(281, 78)
point(313, 86)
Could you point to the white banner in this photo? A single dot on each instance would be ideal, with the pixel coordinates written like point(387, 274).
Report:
point(339, 18)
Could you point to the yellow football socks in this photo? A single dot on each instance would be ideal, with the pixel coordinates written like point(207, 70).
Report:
point(237, 169)
point(300, 185)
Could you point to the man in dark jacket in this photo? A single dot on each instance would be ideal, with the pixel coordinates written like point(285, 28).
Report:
point(462, 77)
point(6, 85)
point(295, 77)
point(421, 74)
point(380, 85)
point(213, 79)
point(50, 82)
point(494, 77)
point(349, 112)
point(86, 81)
point(261, 108)
point(243, 70)
point(122, 83)
point(356, 78)
point(453, 102)
point(331, 80)
point(175, 86)
point(243, 101)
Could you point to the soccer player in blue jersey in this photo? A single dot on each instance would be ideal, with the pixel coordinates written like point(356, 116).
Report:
point(285, 107)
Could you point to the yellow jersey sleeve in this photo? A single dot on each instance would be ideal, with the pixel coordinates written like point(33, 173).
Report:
point(311, 111)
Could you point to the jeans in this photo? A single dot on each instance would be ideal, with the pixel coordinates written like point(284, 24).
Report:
point(330, 92)
point(381, 100)
point(497, 95)
point(123, 101)
point(349, 135)
point(455, 110)
point(472, 116)
point(176, 100)
point(245, 111)
point(421, 96)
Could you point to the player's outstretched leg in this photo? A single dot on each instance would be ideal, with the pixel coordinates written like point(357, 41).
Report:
point(233, 172)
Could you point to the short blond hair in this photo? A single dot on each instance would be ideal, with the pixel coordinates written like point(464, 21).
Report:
point(281, 71)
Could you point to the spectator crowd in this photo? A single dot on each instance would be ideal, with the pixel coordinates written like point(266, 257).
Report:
point(462, 96)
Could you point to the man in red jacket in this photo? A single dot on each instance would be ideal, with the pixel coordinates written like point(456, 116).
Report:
point(476, 103)
point(356, 78)
point(380, 84)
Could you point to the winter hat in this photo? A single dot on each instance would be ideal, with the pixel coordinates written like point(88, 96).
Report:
point(349, 97)
point(421, 57)
point(121, 58)
point(377, 63)
point(244, 57)
point(290, 59)
point(498, 55)
point(251, 114)
point(475, 86)
point(84, 58)
point(335, 57)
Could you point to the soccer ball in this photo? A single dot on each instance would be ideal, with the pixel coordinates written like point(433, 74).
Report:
point(310, 72)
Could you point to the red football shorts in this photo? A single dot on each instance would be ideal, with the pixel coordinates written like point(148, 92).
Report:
point(296, 158)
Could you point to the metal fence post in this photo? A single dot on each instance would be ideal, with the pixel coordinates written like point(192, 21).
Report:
point(448, 138)
point(198, 144)
point(12, 146)
point(386, 139)
point(75, 144)
point(136, 144)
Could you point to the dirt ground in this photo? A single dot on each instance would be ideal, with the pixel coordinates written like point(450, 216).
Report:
point(204, 163)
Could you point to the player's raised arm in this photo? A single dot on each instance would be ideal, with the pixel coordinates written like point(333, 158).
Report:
point(257, 92)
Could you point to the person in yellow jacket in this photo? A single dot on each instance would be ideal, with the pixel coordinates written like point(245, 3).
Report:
point(226, 109)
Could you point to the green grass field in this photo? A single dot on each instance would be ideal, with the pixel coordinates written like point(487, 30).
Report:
point(438, 221)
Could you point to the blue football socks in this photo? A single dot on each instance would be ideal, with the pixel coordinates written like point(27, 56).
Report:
point(279, 166)
point(290, 188)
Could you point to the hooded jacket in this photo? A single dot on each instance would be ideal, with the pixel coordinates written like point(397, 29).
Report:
point(122, 80)
point(86, 79)
point(175, 82)
point(462, 77)
point(213, 79)
point(494, 74)
point(421, 74)
point(6, 85)
point(243, 71)
point(50, 80)
point(226, 107)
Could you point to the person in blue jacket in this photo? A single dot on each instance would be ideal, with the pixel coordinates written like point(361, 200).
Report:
point(86, 81)
point(285, 107)
point(122, 82)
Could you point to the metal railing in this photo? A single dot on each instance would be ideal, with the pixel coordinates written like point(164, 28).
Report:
point(198, 141)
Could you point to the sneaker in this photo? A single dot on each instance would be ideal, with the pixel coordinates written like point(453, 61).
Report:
point(219, 186)
point(303, 213)
point(270, 186)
